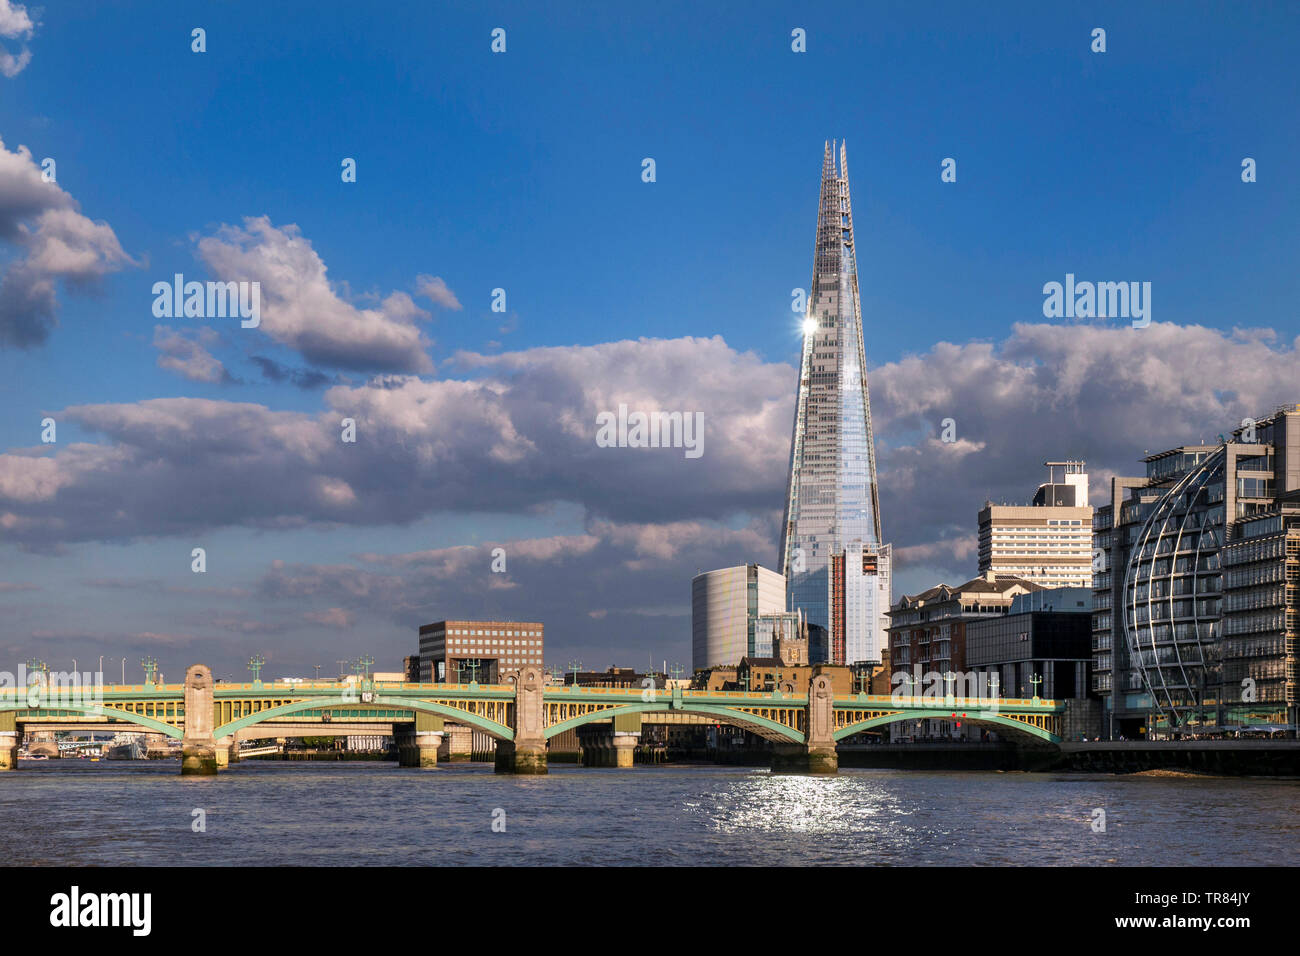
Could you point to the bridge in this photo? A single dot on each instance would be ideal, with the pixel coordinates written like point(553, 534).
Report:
point(212, 719)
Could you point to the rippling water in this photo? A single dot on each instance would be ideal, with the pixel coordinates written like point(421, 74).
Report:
point(268, 813)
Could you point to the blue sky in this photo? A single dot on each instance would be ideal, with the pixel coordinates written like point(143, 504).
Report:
point(522, 171)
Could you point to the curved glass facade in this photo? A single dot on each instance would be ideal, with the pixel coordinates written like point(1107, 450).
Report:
point(1172, 591)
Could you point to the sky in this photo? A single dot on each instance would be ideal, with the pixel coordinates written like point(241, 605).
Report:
point(522, 171)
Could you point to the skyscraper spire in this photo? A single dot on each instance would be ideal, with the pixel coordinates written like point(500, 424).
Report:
point(832, 500)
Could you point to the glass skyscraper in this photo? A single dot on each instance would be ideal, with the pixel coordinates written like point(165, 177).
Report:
point(831, 499)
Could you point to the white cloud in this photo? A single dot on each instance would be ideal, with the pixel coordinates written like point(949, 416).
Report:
point(186, 353)
point(15, 23)
point(435, 290)
point(57, 242)
point(302, 310)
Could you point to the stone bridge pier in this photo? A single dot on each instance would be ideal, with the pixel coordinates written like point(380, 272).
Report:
point(457, 743)
point(10, 737)
point(198, 746)
point(817, 754)
point(527, 752)
point(418, 742)
point(611, 744)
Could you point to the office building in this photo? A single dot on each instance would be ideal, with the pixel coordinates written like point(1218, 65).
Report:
point(1194, 593)
point(725, 608)
point(860, 598)
point(1042, 646)
point(832, 500)
point(1048, 541)
point(490, 652)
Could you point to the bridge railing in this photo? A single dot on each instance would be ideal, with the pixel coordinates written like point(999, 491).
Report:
point(971, 703)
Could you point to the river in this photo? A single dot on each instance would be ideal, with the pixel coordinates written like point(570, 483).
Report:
point(115, 813)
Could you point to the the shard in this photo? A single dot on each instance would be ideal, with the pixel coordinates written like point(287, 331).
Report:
point(832, 554)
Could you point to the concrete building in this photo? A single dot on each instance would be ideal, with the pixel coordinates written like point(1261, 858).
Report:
point(487, 651)
point(832, 506)
point(1042, 645)
point(725, 607)
point(1048, 541)
point(1195, 601)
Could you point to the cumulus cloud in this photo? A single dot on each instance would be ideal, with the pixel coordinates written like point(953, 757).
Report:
point(15, 24)
point(519, 436)
point(516, 433)
point(301, 309)
point(547, 578)
point(435, 290)
point(186, 353)
point(56, 242)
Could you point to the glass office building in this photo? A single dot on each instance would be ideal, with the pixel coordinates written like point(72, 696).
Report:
point(831, 499)
point(1196, 587)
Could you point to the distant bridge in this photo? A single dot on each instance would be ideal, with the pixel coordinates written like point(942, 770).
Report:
point(211, 718)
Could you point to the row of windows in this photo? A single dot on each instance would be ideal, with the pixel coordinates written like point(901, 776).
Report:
point(480, 641)
point(1242, 552)
point(1252, 598)
point(1254, 622)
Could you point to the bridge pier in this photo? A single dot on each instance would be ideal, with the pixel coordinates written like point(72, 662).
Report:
point(611, 744)
point(11, 735)
point(525, 754)
point(198, 746)
point(227, 752)
point(418, 743)
point(457, 744)
point(817, 754)
point(9, 749)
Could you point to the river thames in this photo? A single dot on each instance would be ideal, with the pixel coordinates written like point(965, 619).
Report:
point(116, 813)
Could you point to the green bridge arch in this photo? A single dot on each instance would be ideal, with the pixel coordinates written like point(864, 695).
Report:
point(92, 710)
point(972, 717)
point(499, 731)
point(725, 715)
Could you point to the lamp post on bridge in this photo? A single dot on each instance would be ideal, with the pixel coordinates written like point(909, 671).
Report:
point(863, 678)
point(363, 666)
point(575, 666)
point(473, 666)
point(677, 670)
point(910, 681)
point(1035, 680)
point(150, 665)
point(255, 665)
point(948, 678)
